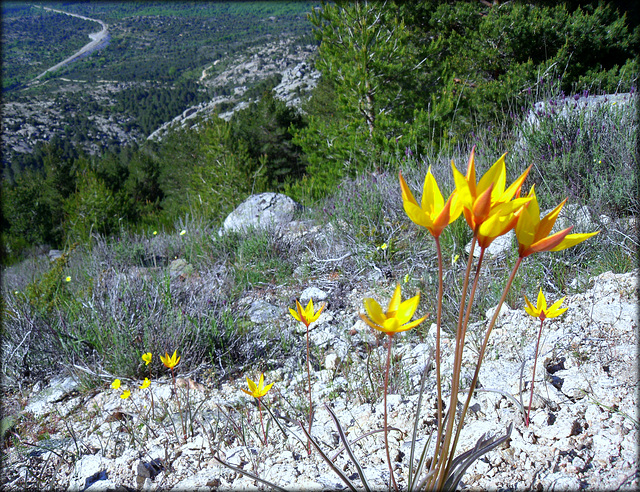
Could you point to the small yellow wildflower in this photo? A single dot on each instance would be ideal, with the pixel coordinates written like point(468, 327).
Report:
point(306, 315)
point(383, 246)
point(257, 391)
point(125, 394)
point(541, 311)
point(116, 384)
point(406, 278)
point(147, 358)
point(145, 384)
point(183, 232)
point(398, 315)
point(170, 362)
point(155, 233)
point(68, 279)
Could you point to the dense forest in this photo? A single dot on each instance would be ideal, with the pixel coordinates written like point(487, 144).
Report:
point(397, 79)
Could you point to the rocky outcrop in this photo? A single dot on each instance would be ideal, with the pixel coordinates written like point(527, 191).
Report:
point(266, 210)
point(583, 434)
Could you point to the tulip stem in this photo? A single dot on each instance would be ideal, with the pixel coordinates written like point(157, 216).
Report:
point(309, 380)
point(386, 433)
point(264, 434)
point(483, 348)
point(533, 378)
point(438, 328)
point(442, 449)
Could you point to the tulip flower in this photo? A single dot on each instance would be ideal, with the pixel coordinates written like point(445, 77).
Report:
point(170, 362)
point(433, 213)
point(534, 234)
point(125, 394)
point(541, 311)
point(479, 201)
point(306, 315)
point(147, 358)
point(397, 317)
point(259, 390)
point(116, 384)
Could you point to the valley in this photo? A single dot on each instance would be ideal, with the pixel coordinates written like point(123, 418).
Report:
point(162, 59)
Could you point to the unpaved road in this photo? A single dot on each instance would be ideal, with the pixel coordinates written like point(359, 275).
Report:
point(97, 39)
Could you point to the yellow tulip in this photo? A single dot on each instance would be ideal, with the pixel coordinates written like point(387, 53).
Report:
point(125, 394)
point(433, 213)
point(534, 234)
point(397, 317)
point(259, 390)
point(481, 201)
point(116, 384)
point(145, 384)
point(147, 358)
point(170, 362)
point(306, 315)
point(541, 311)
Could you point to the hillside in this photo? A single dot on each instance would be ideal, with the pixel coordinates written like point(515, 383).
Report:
point(161, 59)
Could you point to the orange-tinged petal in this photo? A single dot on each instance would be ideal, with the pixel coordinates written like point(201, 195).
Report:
point(548, 221)
point(572, 240)
point(482, 206)
point(406, 192)
point(496, 178)
point(471, 172)
point(514, 189)
point(294, 314)
point(463, 188)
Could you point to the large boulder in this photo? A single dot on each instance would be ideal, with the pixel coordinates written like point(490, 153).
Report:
point(266, 210)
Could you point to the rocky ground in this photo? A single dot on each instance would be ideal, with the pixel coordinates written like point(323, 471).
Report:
point(583, 434)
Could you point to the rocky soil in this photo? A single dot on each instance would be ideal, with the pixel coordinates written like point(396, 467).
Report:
point(583, 434)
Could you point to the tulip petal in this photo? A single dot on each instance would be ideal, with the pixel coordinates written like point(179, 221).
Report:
point(572, 240)
point(547, 223)
point(495, 178)
point(394, 303)
point(407, 309)
point(374, 311)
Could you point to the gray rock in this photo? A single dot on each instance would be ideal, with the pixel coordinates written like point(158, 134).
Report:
point(266, 210)
point(497, 249)
point(312, 293)
point(57, 388)
point(263, 312)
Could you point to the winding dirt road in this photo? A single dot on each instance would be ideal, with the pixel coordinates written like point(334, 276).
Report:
point(97, 39)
